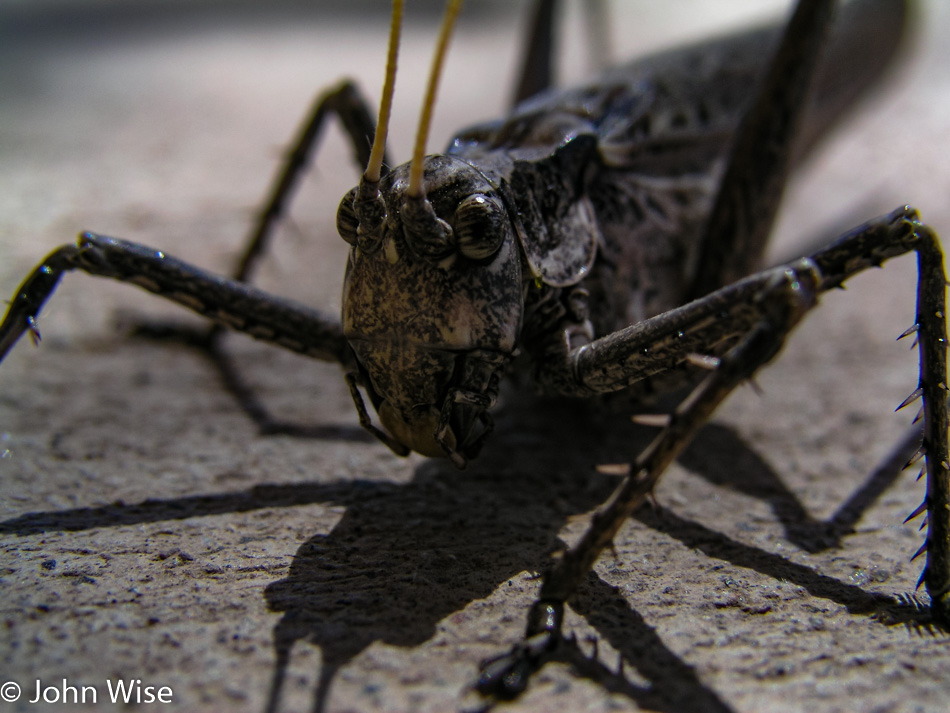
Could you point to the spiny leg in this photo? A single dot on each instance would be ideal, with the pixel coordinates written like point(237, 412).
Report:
point(746, 324)
point(665, 342)
point(858, 251)
point(781, 301)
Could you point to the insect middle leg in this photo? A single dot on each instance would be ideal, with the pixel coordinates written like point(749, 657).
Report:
point(359, 124)
point(736, 330)
point(347, 104)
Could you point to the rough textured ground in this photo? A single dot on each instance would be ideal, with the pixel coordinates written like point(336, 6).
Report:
point(149, 533)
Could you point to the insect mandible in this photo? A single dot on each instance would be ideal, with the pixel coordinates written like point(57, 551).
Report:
point(539, 270)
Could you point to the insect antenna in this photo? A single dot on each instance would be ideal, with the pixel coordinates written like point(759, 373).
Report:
point(374, 168)
point(427, 234)
point(369, 205)
point(416, 189)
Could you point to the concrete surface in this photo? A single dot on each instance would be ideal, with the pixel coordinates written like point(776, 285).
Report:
point(149, 533)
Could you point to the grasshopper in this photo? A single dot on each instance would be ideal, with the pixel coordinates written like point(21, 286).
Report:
point(601, 240)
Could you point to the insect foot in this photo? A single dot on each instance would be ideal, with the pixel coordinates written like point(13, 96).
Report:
point(507, 676)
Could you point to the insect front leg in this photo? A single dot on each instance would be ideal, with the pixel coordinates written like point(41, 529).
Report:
point(779, 299)
point(734, 331)
point(228, 302)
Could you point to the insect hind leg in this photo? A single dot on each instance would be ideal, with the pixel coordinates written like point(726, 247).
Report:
point(869, 246)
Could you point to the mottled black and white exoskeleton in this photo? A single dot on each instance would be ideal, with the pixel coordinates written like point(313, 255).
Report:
point(604, 239)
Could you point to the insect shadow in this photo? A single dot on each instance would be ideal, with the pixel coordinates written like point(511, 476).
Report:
point(405, 556)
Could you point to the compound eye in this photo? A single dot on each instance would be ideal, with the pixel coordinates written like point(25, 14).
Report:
point(347, 222)
point(481, 225)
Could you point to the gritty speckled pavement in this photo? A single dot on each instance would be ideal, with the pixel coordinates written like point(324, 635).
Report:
point(148, 532)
